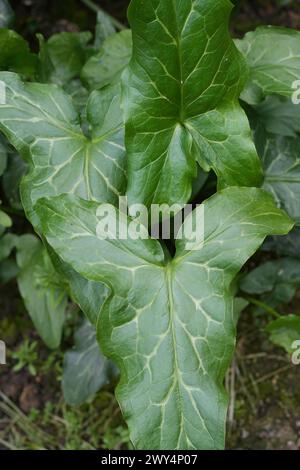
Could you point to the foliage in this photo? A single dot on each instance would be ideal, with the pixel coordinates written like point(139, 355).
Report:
point(143, 112)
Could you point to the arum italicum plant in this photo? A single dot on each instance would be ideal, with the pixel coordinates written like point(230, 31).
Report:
point(168, 323)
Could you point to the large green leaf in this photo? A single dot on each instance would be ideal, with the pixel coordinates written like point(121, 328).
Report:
point(181, 104)
point(107, 65)
point(42, 289)
point(272, 54)
point(85, 370)
point(169, 324)
point(41, 123)
point(15, 54)
point(276, 280)
point(89, 295)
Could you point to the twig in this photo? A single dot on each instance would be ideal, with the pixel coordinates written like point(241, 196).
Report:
point(274, 373)
point(98, 9)
point(264, 306)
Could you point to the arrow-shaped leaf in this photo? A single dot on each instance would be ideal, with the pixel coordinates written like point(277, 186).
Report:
point(181, 104)
point(41, 123)
point(169, 325)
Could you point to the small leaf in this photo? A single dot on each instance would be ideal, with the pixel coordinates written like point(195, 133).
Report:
point(8, 270)
point(181, 101)
point(272, 54)
point(285, 331)
point(16, 169)
point(104, 28)
point(277, 115)
point(169, 325)
point(7, 243)
point(285, 246)
point(278, 280)
point(42, 290)
point(63, 56)
point(5, 220)
point(85, 370)
point(106, 67)
point(15, 54)
point(6, 14)
point(282, 172)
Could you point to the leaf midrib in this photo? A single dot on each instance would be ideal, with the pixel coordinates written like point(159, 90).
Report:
point(179, 52)
point(169, 282)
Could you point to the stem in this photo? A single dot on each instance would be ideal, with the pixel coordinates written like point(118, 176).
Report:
point(264, 306)
point(90, 4)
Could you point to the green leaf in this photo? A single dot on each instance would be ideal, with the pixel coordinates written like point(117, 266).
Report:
point(285, 246)
point(85, 369)
point(16, 169)
point(107, 65)
point(282, 172)
point(277, 280)
point(181, 101)
point(15, 54)
point(27, 246)
point(6, 14)
point(169, 325)
point(7, 243)
point(41, 123)
point(3, 155)
point(89, 295)
point(5, 220)
point(272, 54)
point(8, 270)
point(104, 28)
point(63, 56)
point(79, 95)
point(239, 306)
point(285, 331)
point(42, 290)
point(277, 115)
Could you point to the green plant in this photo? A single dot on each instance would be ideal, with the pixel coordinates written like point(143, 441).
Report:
point(149, 113)
point(26, 356)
